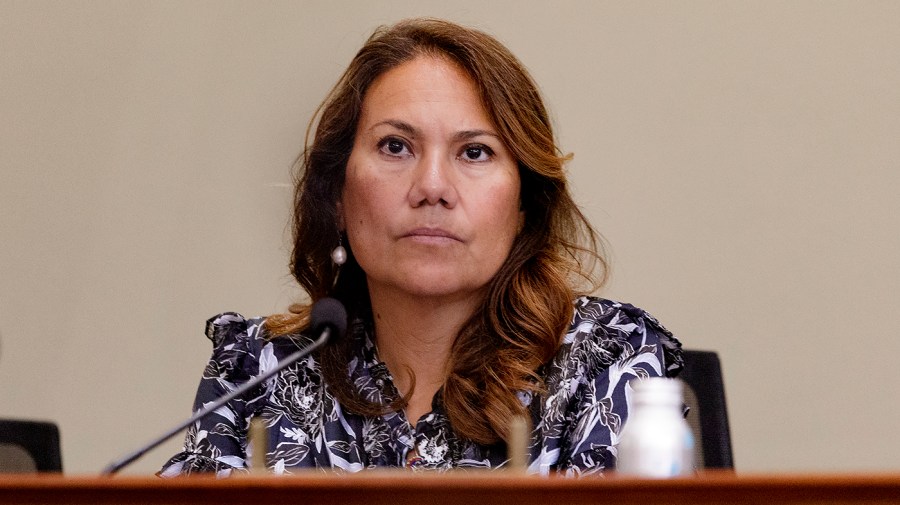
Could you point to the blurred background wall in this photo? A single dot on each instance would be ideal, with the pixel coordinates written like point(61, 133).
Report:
point(741, 158)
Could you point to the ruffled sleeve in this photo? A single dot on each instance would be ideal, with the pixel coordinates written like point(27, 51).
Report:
point(613, 344)
point(218, 442)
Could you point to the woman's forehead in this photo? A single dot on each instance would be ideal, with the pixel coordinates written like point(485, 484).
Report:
point(419, 91)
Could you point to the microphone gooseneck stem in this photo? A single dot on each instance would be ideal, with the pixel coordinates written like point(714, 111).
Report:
point(208, 409)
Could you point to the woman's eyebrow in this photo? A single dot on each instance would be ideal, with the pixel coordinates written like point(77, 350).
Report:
point(414, 132)
point(470, 134)
point(403, 126)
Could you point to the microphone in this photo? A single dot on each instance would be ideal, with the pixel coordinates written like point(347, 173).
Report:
point(328, 318)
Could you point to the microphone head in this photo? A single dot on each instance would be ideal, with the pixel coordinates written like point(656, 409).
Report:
point(329, 312)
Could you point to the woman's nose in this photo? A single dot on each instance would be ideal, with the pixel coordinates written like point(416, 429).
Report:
point(433, 182)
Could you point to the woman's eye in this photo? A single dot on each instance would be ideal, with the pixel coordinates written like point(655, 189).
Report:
point(393, 147)
point(477, 153)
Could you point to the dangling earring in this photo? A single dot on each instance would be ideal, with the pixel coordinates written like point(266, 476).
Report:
point(339, 254)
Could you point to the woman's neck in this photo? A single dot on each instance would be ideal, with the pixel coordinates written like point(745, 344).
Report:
point(414, 337)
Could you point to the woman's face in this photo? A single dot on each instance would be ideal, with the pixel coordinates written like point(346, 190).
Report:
point(430, 202)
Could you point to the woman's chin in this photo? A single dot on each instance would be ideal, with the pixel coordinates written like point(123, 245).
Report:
point(435, 287)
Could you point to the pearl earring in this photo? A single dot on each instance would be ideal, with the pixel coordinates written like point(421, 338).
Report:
point(339, 254)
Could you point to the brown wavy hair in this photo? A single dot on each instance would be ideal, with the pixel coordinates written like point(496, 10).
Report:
point(528, 305)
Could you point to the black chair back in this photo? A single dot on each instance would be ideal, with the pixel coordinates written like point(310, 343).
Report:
point(29, 446)
point(708, 415)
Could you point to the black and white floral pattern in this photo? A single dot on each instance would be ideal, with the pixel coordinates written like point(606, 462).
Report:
point(576, 423)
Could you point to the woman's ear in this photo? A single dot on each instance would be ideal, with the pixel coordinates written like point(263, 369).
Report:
point(521, 222)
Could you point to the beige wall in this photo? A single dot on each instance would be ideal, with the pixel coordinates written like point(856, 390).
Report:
point(740, 157)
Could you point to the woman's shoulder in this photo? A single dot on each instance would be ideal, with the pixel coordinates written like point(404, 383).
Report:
point(623, 317)
point(242, 346)
point(229, 329)
point(609, 331)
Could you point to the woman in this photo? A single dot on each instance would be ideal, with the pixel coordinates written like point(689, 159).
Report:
point(433, 204)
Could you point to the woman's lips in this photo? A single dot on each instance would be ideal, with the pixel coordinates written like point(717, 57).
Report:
point(432, 235)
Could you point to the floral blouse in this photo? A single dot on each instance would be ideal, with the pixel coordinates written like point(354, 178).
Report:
point(575, 424)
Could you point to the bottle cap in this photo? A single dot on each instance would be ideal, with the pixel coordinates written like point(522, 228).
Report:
point(658, 391)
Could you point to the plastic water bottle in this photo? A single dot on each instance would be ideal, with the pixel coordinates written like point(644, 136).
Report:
point(656, 441)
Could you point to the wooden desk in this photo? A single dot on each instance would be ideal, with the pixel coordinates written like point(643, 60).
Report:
point(376, 488)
